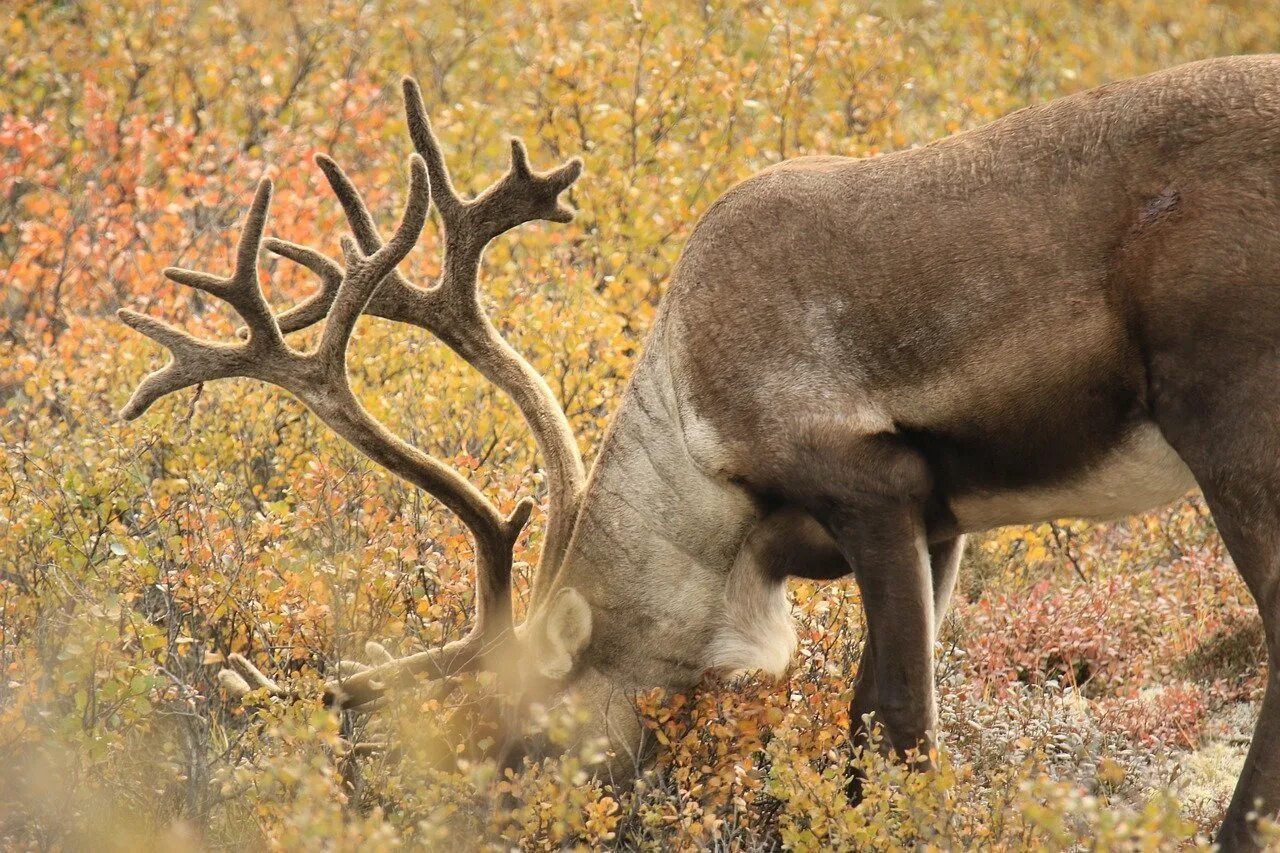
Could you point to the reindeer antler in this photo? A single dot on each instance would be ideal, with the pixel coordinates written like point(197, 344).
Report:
point(367, 281)
point(451, 308)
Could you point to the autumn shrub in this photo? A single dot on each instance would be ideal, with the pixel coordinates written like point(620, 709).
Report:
point(1086, 671)
point(1047, 633)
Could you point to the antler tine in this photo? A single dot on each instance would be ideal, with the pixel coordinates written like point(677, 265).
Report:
point(361, 221)
point(394, 299)
point(364, 687)
point(241, 290)
point(242, 676)
point(447, 198)
point(519, 196)
point(365, 272)
point(490, 629)
point(313, 309)
point(192, 360)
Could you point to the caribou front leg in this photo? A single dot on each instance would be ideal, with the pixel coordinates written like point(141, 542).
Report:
point(791, 543)
point(869, 492)
point(885, 543)
point(944, 563)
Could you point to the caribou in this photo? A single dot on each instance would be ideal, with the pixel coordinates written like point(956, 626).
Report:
point(1070, 312)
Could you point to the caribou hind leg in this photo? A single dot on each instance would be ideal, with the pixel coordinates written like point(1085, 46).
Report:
point(1232, 444)
point(1246, 507)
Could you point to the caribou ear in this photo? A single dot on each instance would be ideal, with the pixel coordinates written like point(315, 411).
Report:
point(568, 626)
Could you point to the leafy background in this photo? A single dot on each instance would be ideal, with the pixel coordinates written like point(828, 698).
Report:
point(1098, 682)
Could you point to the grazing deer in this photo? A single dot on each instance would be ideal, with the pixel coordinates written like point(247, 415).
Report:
point(1074, 311)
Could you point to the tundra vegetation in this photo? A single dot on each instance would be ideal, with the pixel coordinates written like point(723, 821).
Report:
point(1096, 681)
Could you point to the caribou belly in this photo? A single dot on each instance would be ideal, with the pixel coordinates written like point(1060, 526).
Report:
point(1142, 472)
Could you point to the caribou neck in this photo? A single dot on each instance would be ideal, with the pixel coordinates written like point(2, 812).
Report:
point(656, 534)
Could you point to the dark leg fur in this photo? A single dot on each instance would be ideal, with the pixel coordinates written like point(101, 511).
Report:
point(944, 561)
point(1231, 442)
